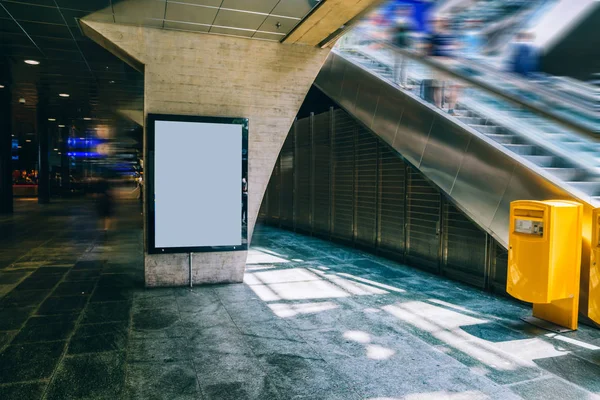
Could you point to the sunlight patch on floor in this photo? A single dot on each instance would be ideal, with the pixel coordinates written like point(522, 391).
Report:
point(284, 310)
point(261, 257)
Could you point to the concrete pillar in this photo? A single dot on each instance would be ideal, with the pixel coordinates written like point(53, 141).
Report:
point(43, 159)
point(210, 75)
point(6, 193)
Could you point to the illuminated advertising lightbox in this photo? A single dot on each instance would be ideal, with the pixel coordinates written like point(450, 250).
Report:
point(197, 181)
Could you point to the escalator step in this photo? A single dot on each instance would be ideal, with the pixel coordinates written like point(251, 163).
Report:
point(505, 139)
point(543, 161)
point(491, 129)
point(521, 149)
point(567, 174)
point(589, 188)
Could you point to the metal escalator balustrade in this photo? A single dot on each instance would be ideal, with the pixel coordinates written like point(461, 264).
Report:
point(491, 152)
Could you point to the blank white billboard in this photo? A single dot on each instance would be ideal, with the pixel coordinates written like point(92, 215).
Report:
point(197, 184)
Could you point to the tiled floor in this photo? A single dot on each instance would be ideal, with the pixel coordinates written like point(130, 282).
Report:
point(313, 320)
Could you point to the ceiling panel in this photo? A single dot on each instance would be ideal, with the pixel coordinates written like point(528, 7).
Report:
point(238, 19)
point(294, 8)
point(262, 6)
point(231, 32)
point(212, 3)
point(71, 16)
point(46, 30)
point(267, 36)
point(140, 11)
point(49, 3)
point(190, 13)
point(277, 24)
point(27, 12)
point(186, 26)
point(84, 5)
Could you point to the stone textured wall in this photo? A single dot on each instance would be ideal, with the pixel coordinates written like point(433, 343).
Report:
point(200, 74)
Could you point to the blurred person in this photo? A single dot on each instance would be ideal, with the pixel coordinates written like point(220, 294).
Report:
point(104, 203)
point(442, 45)
point(471, 40)
point(524, 55)
point(401, 39)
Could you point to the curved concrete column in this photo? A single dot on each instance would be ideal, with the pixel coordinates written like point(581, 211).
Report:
point(210, 75)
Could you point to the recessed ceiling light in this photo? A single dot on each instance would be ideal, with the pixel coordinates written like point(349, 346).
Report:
point(61, 126)
point(1, 86)
point(32, 62)
point(28, 140)
point(20, 147)
point(64, 94)
point(87, 119)
point(55, 149)
point(111, 82)
point(52, 119)
point(59, 153)
point(12, 135)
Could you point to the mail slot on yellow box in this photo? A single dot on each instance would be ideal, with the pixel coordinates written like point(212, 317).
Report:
point(594, 289)
point(544, 258)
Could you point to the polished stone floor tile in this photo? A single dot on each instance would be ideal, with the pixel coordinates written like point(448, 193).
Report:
point(46, 328)
point(110, 336)
point(573, 369)
point(14, 277)
point(62, 305)
point(14, 317)
point(24, 298)
point(245, 377)
point(82, 275)
point(107, 312)
point(39, 282)
point(160, 350)
point(81, 288)
point(22, 391)
point(6, 337)
point(89, 376)
point(167, 380)
point(27, 362)
point(550, 388)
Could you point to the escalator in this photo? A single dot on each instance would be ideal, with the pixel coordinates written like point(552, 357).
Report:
point(491, 152)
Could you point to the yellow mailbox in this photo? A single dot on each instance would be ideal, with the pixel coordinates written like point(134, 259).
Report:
point(544, 258)
point(594, 289)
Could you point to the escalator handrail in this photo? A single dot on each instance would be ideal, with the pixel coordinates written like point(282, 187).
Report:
point(435, 64)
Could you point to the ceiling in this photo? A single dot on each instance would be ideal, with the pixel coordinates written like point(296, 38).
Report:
point(98, 83)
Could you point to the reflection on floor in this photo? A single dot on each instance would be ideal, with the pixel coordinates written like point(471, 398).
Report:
point(313, 320)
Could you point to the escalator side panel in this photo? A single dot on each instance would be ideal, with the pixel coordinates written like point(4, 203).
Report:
point(335, 76)
point(444, 154)
point(413, 131)
point(388, 114)
point(482, 181)
point(349, 89)
point(367, 99)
